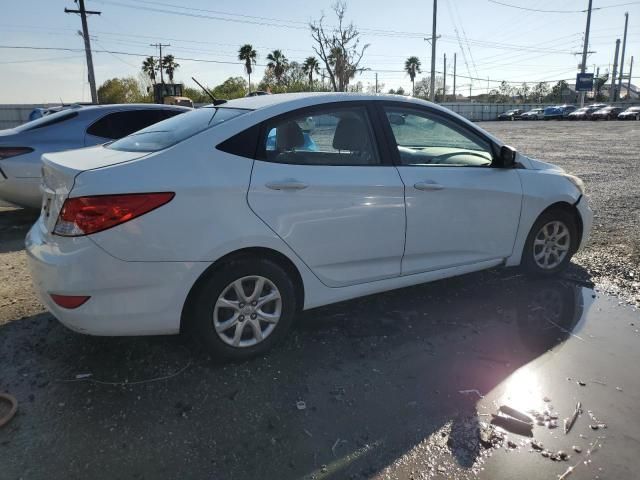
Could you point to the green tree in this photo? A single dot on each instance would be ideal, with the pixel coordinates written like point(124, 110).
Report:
point(557, 91)
point(149, 68)
point(249, 56)
point(197, 95)
point(121, 90)
point(232, 87)
point(523, 92)
point(412, 67)
point(277, 64)
point(309, 67)
point(539, 92)
point(170, 66)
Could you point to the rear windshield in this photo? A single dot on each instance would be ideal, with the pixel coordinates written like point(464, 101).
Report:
point(167, 133)
point(47, 120)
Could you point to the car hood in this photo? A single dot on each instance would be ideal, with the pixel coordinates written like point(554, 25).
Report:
point(540, 165)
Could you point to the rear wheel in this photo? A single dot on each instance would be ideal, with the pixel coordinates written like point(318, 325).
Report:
point(551, 243)
point(244, 309)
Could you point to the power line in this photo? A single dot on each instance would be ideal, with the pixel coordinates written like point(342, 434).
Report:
point(207, 60)
point(519, 7)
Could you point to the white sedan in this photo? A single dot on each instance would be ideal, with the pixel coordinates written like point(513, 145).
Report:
point(67, 129)
point(229, 220)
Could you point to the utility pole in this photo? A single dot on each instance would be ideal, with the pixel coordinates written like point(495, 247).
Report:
point(87, 45)
point(624, 44)
point(583, 64)
point(433, 52)
point(159, 46)
point(444, 80)
point(612, 89)
point(376, 82)
point(470, 90)
point(454, 77)
point(629, 79)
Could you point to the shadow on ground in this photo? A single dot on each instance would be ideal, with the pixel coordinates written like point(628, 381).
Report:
point(354, 387)
point(14, 225)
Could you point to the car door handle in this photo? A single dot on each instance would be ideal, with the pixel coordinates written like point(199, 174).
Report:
point(428, 185)
point(287, 185)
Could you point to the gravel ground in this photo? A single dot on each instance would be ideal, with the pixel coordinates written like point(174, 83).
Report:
point(606, 155)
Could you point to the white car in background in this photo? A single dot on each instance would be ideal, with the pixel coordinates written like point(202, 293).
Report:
point(76, 127)
point(229, 220)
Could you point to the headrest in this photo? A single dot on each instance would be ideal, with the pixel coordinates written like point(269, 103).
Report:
point(351, 134)
point(289, 136)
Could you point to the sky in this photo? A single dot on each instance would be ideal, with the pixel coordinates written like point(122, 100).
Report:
point(492, 41)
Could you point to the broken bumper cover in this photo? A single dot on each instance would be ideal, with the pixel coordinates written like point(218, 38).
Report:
point(586, 214)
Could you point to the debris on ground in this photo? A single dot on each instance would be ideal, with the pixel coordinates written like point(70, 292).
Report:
point(13, 408)
point(537, 445)
point(568, 422)
point(512, 412)
point(512, 425)
point(473, 390)
point(489, 436)
point(301, 405)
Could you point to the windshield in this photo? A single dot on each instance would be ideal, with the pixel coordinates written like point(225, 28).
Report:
point(167, 133)
point(47, 120)
point(633, 109)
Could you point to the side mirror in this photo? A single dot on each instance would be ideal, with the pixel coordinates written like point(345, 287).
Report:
point(506, 158)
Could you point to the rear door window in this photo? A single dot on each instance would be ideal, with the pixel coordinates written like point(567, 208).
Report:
point(339, 136)
point(120, 124)
point(48, 120)
point(164, 134)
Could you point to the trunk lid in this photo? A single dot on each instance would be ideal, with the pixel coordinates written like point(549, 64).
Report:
point(59, 171)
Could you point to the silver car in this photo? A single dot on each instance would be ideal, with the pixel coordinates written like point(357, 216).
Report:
point(77, 127)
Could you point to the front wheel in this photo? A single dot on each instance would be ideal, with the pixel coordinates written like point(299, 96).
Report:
point(551, 243)
point(244, 309)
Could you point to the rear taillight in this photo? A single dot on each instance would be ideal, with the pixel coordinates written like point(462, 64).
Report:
point(7, 152)
point(69, 301)
point(86, 215)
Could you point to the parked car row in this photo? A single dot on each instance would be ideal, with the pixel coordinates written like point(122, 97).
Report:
point(597, 111)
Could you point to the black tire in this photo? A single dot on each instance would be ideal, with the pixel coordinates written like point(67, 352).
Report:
point(201, 310)
point(528, 261)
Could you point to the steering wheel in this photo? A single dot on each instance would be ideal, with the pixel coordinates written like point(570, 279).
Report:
point(441, 158)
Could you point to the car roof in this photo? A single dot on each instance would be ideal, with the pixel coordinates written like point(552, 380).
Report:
point(129, 106)
point(293, 100)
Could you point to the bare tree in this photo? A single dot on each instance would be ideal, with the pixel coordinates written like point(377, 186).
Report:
point(339, 48)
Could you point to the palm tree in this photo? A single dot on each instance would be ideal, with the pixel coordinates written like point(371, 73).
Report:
point(248, 55)
point(150, 67)
point(170, 66)
point(311, 66)
point(412, 67)
point(278, 64)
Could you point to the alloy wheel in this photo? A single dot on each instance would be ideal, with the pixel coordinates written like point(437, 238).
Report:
point(551, 245)
point(247, 311)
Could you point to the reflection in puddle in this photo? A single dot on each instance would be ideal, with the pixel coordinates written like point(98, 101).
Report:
point(523, 391)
